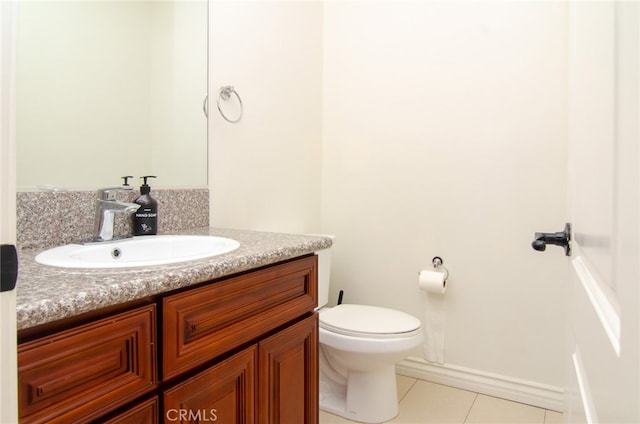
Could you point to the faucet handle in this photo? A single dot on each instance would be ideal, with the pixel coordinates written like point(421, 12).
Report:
point(109, 193)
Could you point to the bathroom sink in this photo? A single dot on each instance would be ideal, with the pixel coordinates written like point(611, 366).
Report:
point(137, 251)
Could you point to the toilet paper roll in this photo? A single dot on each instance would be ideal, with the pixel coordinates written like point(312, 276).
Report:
point(433, 285)
point(432, 282)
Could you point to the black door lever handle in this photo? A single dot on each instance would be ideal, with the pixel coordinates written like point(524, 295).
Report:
point(8, 267)
point(562, 238)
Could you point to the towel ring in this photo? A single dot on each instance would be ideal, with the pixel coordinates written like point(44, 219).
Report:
point(225, 94)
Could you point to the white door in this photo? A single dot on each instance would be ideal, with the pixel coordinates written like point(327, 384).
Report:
point(8, 367)
point(604, 190)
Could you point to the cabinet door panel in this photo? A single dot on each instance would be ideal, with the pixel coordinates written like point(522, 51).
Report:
point(224, 393)
point(288, 378)
point(205, 322)
point(145, 412)
point(80, 374)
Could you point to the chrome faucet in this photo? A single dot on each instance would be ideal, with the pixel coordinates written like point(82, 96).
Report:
point(106, 209)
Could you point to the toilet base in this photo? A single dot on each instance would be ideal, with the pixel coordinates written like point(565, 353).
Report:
point(370, 397)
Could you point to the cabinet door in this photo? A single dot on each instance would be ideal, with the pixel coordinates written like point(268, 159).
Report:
point(288, 377)
point(224, 393)
point(145, 412)
point(78, 375)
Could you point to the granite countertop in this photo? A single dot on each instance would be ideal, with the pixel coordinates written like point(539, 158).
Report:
point(45, 294)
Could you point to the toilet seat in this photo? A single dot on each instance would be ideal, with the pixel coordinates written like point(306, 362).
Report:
point(368, 321)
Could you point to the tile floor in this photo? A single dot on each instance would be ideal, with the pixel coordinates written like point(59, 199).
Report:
point(422, 402)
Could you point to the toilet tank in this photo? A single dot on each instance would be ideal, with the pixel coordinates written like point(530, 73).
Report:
point(324, 273)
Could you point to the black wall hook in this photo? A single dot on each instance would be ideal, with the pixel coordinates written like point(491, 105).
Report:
point(562, 238)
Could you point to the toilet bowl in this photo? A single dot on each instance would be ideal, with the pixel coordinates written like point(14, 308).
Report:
point(359, 346)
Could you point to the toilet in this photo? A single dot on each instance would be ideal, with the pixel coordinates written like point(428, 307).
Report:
point(359, 347)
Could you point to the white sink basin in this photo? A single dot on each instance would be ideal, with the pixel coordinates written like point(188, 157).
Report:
point(137, 251)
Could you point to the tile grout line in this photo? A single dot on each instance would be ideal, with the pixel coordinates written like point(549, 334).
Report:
point(466, 417)
point(415, 380)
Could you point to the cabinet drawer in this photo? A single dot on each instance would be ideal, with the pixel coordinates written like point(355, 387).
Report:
point(80, 374)
point(203, 323)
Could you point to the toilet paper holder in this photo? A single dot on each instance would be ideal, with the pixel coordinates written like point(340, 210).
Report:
point(437, 263)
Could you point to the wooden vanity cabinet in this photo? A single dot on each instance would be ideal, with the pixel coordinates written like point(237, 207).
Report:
point(241, 349)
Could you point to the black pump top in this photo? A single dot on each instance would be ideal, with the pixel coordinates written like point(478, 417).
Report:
point(144, 188)
point(126, 180)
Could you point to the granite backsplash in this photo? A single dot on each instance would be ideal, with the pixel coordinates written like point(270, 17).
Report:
point(47, 219)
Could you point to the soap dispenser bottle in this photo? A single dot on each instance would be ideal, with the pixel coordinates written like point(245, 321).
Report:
point(145, 220)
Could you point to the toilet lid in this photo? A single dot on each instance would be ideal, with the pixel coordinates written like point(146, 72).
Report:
point(367, 320)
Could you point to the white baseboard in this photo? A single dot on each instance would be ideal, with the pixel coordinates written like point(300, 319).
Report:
point(518, 390)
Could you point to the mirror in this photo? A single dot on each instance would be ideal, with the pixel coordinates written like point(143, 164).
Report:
point(111, 88)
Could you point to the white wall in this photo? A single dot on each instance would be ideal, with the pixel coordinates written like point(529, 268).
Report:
point(440, 129)
point(444, 133)
point(264, 172)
